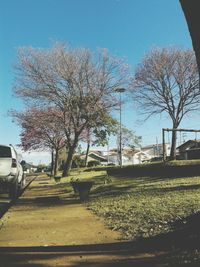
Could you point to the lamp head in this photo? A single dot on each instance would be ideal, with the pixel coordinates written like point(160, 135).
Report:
point(120, 90)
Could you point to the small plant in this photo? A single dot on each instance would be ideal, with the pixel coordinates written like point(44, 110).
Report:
point(72, 180)
point(57, 178)
point(107, 180)
point(49, 174)
point(82, 187)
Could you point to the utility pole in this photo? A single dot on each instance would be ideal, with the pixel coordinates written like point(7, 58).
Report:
point(164, 151)
point(120, 90)
point(157, 155)
point(108, 152)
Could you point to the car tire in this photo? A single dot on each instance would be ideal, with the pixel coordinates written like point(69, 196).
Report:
point(13, 190)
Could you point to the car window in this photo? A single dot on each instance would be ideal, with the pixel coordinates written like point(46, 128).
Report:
point(5, 152)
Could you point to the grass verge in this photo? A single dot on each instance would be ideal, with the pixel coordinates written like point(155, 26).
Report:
point(145, 207)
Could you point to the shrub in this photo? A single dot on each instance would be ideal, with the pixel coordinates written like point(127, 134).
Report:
point(173, 169)
point(77, 162)
point(93, 163)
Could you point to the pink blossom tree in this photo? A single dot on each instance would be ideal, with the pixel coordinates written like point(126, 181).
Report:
point(40, 130)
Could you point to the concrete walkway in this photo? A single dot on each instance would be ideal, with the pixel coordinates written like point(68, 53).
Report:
point(48, 227)
point(46, 215)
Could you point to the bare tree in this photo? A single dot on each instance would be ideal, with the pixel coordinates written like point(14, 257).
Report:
point(167, 81)
point(76, 81)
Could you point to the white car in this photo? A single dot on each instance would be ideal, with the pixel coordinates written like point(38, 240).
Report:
point(12, 177)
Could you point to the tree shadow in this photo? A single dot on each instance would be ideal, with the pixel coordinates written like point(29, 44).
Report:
point(177, 248)
point(171, 189)
point(47, 201)
point(4, 207)
point(110, 190)
point(124, 185)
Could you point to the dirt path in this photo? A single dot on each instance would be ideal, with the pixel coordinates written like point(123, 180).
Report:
point(47, 226)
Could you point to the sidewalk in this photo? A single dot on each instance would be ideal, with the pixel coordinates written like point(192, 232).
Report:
point(47, 215)
point(47, 226)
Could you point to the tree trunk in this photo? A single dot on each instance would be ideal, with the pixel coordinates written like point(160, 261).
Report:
point(56, 162)
point(52, 161)
point(173, 147)
point(191, 12)
point(87, 152)
point(68, 163)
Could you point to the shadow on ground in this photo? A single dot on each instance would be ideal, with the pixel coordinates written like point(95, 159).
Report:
point(123, 186)
point(178, 248)
point(46, 201)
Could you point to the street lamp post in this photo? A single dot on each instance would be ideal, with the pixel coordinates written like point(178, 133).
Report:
point(120, 90)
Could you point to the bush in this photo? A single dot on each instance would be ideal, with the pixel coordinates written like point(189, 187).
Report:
point(77, 162)
point(93, 163)
point(174, 169)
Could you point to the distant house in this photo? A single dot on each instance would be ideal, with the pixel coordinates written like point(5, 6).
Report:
point(189, 150)
point(156, 150)
point(136, 157)
point(28, 167)
point(95, 155)
point(129, 156)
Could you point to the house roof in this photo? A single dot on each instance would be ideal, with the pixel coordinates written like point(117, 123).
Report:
point(152, 146)
point(29, 165)
point(189, 145)
point(95, 156)
point(126, 151)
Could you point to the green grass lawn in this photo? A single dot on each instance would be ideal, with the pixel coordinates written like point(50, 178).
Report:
point(149, 208)
point(141, 207)
point(144, 207)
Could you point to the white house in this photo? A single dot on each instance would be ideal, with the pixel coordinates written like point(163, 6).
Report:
point(132, 156)
point(96, 155)
point(156, 150)
point(129, 156)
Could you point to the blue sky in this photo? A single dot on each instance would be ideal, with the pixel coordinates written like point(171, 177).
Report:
point(128, 28)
